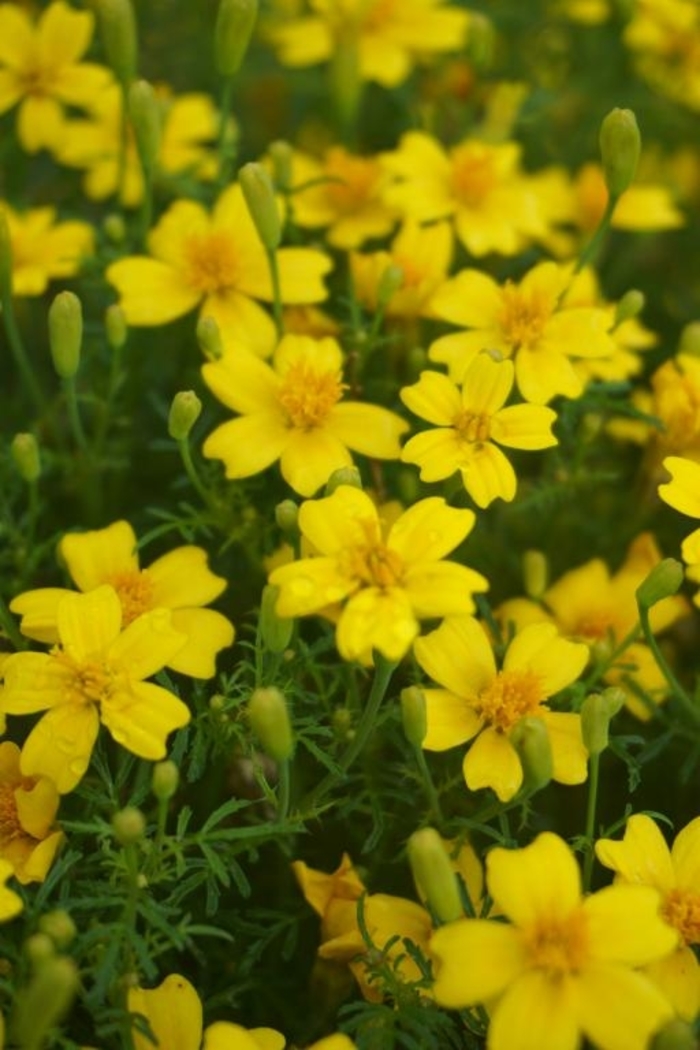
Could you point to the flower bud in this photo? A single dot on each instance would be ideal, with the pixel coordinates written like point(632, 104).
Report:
point(118, 29)
point(38, 948)
point(25, 453)
point(269, 719)
point(287, 517)
point(620, 146)
point(114, 227)
point(630, 305)
point(597, 712)
point(66, 333)
point(259, 196)
point(209, 338)
point(535, 574)
point(145, 115)
point(343, 476)
point(675, 1035)
point(433, 874)
point(165, 780)
point(184, 413)
point(235, 22)
point(389, 284)
point(481, 41)
point(281, 154)
point(59, 926)
point(129, 825)
point(5, 258)
point(663, 581)
point(413, 715)
point(275, 631)
point(530, 739)
point(41, 1004)
point(690, 339)
point(115, 326)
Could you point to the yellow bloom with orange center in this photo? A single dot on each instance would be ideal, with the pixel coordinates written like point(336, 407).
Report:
point(95, 675)
point(527, 321)
point(477, 700)
point(471, 423)
point(664, 36)
point(180, 581)
point(642, 858)
point(43, 249)
point(40, 69)
point(682, 493)
point(387, 579)
point(390, 36)
point(294, 411)
point(565, 966)
point(216, 262)
point(29, 838)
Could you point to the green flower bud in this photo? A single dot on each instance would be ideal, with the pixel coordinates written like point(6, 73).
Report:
point(259, 195)
point(184, 413)
point(597, 711)
point(118, 29)
point(165, 780)
point(343, 476)
point(690, 339)
point(675, 1035)
point(275, 631)
point(114, 227)
point(38, 948)
point(145, 115)
point(281, 156)
point(269, 719)
point(235, 22)
point(5, 258)
point(663, 581)
point(128, 825)
point(530, 739)
point(389, 283)
point(630, 305)
point(115, 326)
point(535, 574)
point(287, 517)
point(481, 41)
point(59, 926)
point(66, 333)
point(435, 880)
point(209, 338)
point(620, 146)
point(25, 453)
point(413, 715)
point(41, 1004)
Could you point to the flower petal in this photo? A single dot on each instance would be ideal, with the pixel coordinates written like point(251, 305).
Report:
point(249, 444)
point(429, 530)
point(38, 610)
point(536, 1011)
point(524, 426)
point(620, 1009)
point(60, 745)
point(308, 585)
point(442, 588)
point(142, 718)
point(207, 633)
point(310, 457)
point(493, 762)
point(625, 925)
point(342, 520)
point(488, 475)
point(641, 857)
point(682, 492)
point(471, 299)
point(451, 720)
point(458, 655)
point(147, 645)
point(173, 1011)
point(376, 619)
point(183, 578)
point(541, 881)
point(569, 754)
point(89, 623)
point(95, 557)
point(486, 385)
point(434, 398)
point(368, 429)
point(151, 292)
point(685, 854)
point(242, 382)
point(476, 960)
point(540, 648)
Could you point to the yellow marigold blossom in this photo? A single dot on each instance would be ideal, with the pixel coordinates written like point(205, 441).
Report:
point(28, 806)
point(682, 493)
point(294, 411)
point(43, 249)
point(388, 580)
point(217, 262)
point(343, 192)
point(642, 858)
point(478, 700)
point(479, 185)
point(664, 36)
point(94, 675)
point(595, 606)
point(564, 966)
point(526, 321)
point(180, 581)
point(93, 144)
point(40, 68)
point(391, 36)
point(10, 902)
point(471, 422)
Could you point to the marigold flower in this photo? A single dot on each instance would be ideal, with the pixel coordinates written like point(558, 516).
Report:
point(471, 423)
point(682, 493)
point(180, 581)
point(94, 675)
point(664, 36)
point(28, 807)
point(43, 249)
point(564, 965)
point(479, 701)
point(388, 580)
point(642, 858)
point(294, 411)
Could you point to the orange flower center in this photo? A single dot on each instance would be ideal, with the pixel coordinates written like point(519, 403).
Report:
point(373, 563)
point(307, 396)
point(10, 827)
point(379, 13)
point(473, 175)
point(135, 590)
point(523, 316)
point(559, 946)
point(511, 695)
point(473, 427)
point(92, 682)
point(211, 264)
point(36, 79)
point(595, 626)
point(352, 181)
point(681, 909)
point(412, 272)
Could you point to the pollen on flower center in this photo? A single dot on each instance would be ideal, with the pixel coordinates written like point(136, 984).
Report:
point(523, 317)
point(307, 396)
point(91, 682)
point(211, 263)
point(135, 590)
point(372, 562)
point(596, 626)
point(10, 827)
point(35, 79)
point(352, 180)
point(511, 695)
point(472, 174)
point(378, 14)
point(473, 427)
point(559, 946)
point(681, 909)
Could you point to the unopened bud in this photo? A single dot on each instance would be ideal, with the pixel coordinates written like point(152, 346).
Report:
point(434, 876)
point(5, 258)
point(620, 146)
point(269, 719)
point(675, 1035)
point(481, 41)
point(343, 476)
point(115, 326)
point(535, 574)
point(59, 926)
point(40, 1005)
point(663, 581)
point(25, 453)
point(389, 283)
point(275, 631)
point(209, 338)
point(114, 227)
point(38, 948)
point(66, 333)
point(597, 712)
point(287, 517)
point(165, 780)
point(281, 155)
point(259, 195)
point(690, 339)
point(129, 825)
point(235, 22)
point(413, 715)
point(118, 30)
point(184, 413)
point(530, 739)
point(145, 115)
point(630, 305)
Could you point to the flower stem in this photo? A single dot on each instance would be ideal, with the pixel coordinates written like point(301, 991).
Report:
point(591, 249)
point(20, 354)
point(276, 291)
point(188, 462)
point(226, 153)
point(593, 780)
point(8, 625)
point(74, 415)
point(283, 793)
point(677, 690)
point(430, 789)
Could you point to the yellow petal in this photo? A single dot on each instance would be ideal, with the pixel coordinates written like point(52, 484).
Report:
point(308, 585)
point(682, 492)
point(16, 36)
point(429, 530)
point(540, 648)
point(488, 475)
point(620, 1009)
point(63, 34)
point(207, 633)
point(173, 1012)
point(60, 745)
point(476, 960)
point(685, 854)
point(11, 903)
point(641, 857)
point(37, 806)
point(492, 762)
point(301, 275)
point(459, 656)
point(249, 444)
point(242, 382)
point(442, 588)
point(472, 299)
point(142, 718)
point(182, 578)
point(147, 645)
point(368, 429)
point(677, 976)
point(95, 557)
point(536, 1011)
point(342, 520)
point(376, 619)
point(451, 720)
point(310, 457)
point(33, 682)
point(524, 426)
point(89, 623)
point(541, 375)
point(540, 882)
point(434, 398)
point(38, 610)
point(438, 453)
point(222, 1035)
point(625, 925)
point(151, 292)
point(39, 123)
point(569, 755)
point(241, 320)
point(486, 385)
point(459, 349)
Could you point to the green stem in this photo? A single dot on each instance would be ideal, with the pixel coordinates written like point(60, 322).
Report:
point(108, 405)
point(146, 205)
point(20, 354)
point(430, 789)
point(76, 422)
point(188, 462)
point(226, 155)
point(123, 141)
point(591, 249)
point(283, 792)
point(677, 690)
point(9, 626)
point(591, 806)
point(276, 291)
point(606, 664)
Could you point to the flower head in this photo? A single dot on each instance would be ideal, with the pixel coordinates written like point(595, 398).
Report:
point(43, 249)
point(682, 493)
point(28, 807)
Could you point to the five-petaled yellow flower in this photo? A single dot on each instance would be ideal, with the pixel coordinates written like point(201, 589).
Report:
point(387, 580)
point(29, 838)
point(43, 249)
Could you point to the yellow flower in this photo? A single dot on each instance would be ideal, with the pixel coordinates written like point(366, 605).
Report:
point(388, 580)
point(664, 36)
point(43, 249)
point(564, 966)
point(526, 321)
point(642, 858)
point(294, 412)
point(180, 581)
point(645, 206)
point(10, 902)
point(28, 807)
point(478, 700)
point(390, 35)
point(216, 261)
point(682, 493)
point(472, 422)
point(493, 205)
point(94, 675)
point(40, 68)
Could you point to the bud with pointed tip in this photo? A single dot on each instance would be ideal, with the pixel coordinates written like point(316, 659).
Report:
point(66, 333)
point(209, 338)
point(25, 453)
point(269, 718)
point(165, 780)
point(433, 874)
point(663, 581)
point(275, 631)
point(630, 305)
point(184, 413)
point(620, 146)
point(597, 711)
point(115, 326)
point(530, 739)
point(145, 115)
point(129, 825)
point(259, 196)
point(118, 30)
point(413, 715)
point(235, 21)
